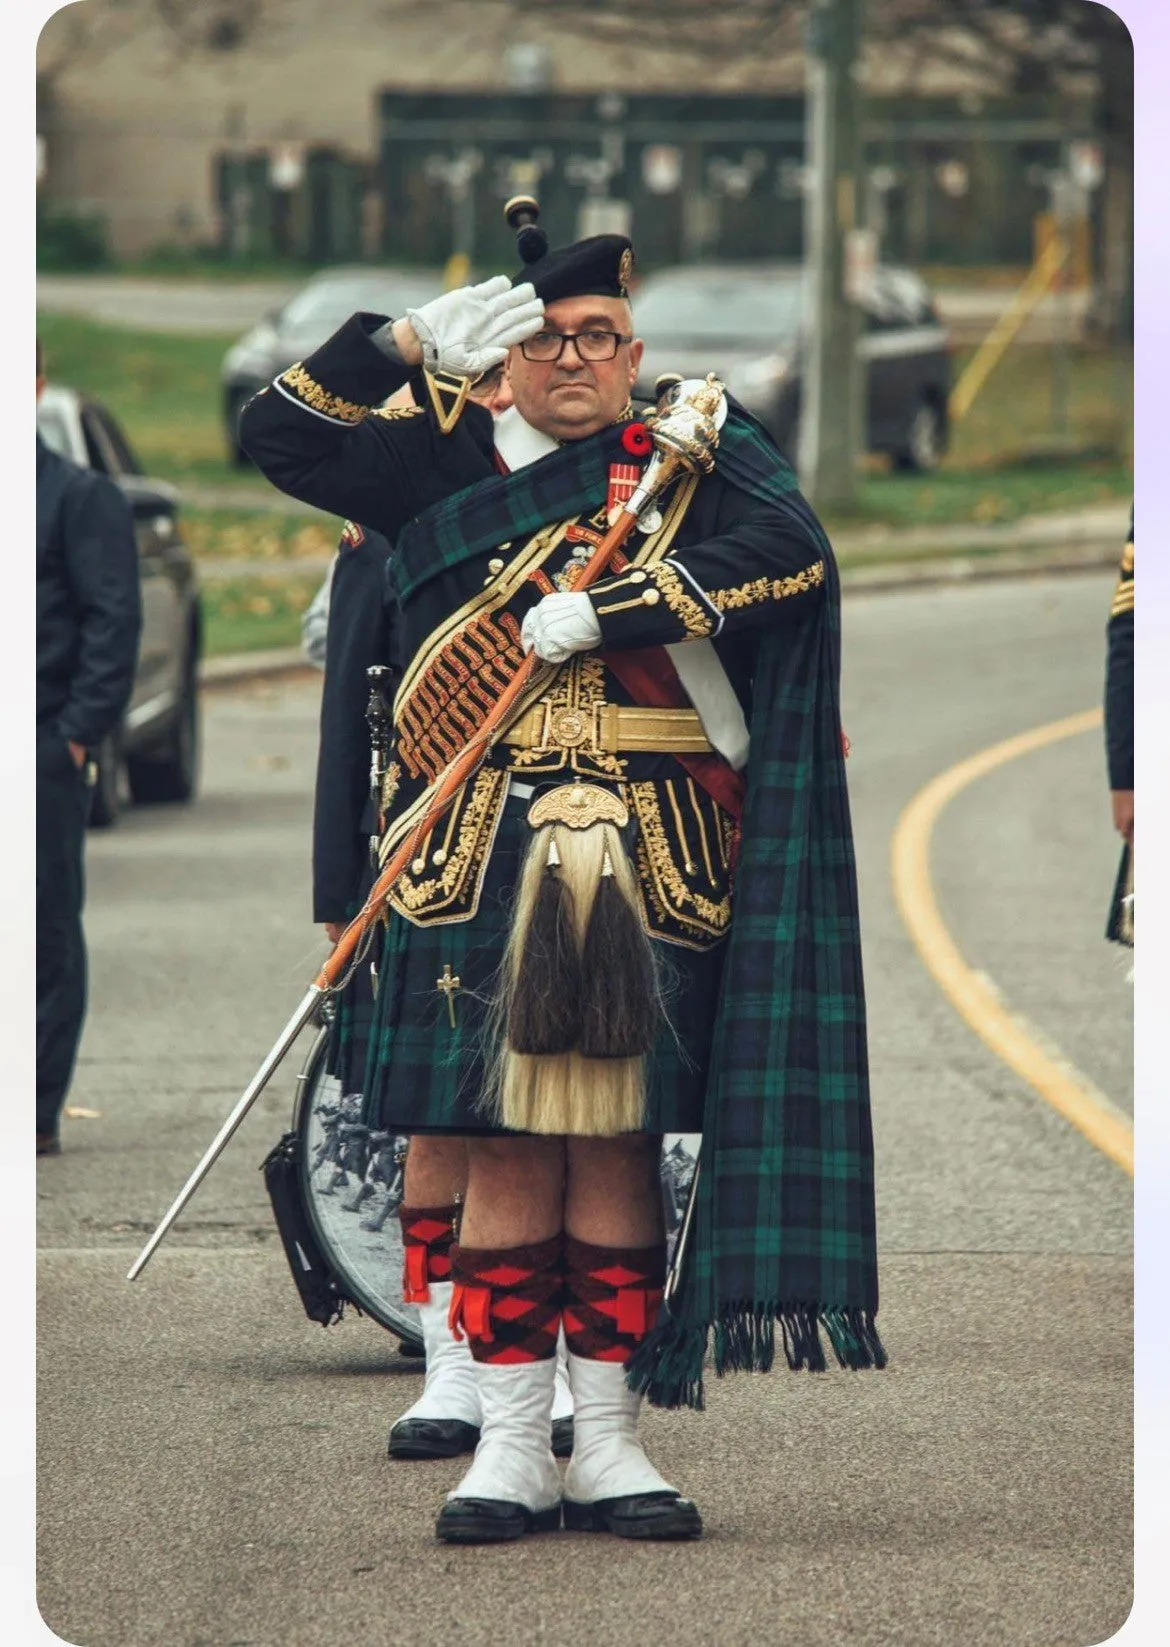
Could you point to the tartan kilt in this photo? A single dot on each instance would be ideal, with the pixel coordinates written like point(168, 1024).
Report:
point(425, 1075)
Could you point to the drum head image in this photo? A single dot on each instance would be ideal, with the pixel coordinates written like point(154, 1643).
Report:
point(352, 1184)
point(352, 1179)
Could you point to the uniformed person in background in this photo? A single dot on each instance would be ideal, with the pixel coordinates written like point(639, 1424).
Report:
point(88, 623)
point(1119, 741)
point(354, 635)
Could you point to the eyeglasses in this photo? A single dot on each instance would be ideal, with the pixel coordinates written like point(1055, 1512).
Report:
point(549, 346)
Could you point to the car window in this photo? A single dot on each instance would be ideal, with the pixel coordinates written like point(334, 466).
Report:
point(126, 463)
point(99, 453)
point(324, 306)
point(712, 308)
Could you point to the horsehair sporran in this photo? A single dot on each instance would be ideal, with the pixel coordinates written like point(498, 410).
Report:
point(578, 1005)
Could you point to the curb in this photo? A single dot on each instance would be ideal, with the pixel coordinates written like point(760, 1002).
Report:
point(233, 669)
point(927, 572)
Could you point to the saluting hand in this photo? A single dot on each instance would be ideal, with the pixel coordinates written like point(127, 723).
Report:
point(470, 330)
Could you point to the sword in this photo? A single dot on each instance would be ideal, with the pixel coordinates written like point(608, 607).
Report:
point(685, 431)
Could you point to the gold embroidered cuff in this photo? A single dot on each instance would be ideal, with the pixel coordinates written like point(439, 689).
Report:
point(646, 587)
point(298, 383)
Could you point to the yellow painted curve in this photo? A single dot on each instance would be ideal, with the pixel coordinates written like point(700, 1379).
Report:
point(972, 997)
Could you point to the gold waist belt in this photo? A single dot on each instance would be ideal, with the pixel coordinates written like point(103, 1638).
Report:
point(610, 728)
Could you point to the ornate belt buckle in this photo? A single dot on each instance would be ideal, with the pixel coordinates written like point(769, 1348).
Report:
point(568, 728)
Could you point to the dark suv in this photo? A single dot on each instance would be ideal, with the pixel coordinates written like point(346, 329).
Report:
point(745, 322)
point(154, 755)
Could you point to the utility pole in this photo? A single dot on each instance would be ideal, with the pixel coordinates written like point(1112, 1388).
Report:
point(832, 388)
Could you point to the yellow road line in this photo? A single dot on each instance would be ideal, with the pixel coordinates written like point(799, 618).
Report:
point(973, 997)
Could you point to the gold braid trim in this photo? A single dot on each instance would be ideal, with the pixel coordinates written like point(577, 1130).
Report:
point(750, 594)
point(307, 388)
point(398, 411)
point(1123, 594)
point(694, 617)
point(662, 882)
point(453, 894)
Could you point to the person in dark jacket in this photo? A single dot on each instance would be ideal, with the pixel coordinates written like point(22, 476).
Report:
point(88, 624)
point(1119, 741)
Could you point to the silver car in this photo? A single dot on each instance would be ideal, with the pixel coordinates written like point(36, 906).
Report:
point(745, 321)
point(302, 324)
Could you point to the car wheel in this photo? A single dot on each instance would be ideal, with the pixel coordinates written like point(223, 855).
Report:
point(923, 446)
point(109, 791)
point(170, 772)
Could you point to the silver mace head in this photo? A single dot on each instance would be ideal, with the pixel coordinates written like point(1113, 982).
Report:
point(685, 431)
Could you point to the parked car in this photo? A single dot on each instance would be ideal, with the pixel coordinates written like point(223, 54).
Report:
point(299, 326)
point(154, 755)
point(745, 322)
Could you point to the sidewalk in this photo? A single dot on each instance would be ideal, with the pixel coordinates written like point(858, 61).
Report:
point(224, 306)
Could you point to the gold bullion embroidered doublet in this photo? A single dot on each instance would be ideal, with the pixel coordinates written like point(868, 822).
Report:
point(581, 722)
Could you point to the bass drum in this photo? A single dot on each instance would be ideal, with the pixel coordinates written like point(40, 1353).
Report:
point(352, 1181)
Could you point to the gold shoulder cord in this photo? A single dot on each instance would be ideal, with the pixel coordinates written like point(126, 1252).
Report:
point(440, 384)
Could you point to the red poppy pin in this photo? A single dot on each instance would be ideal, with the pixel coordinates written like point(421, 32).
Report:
point(636, 440)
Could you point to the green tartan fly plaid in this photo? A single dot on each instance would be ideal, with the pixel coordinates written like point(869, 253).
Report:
point(783, 1227)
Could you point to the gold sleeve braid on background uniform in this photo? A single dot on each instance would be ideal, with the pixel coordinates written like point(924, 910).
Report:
point(1123, 594)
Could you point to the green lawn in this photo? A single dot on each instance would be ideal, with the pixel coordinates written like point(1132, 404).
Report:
point(165, 389)
point(254, 614)
point(240, 534)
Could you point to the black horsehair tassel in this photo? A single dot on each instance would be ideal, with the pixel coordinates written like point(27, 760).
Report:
point(619, 1009)
point(544, 1016)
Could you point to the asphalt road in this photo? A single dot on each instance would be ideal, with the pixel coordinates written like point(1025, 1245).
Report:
point(212, 1471)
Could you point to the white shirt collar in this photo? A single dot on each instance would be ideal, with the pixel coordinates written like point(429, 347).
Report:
point(518, 443)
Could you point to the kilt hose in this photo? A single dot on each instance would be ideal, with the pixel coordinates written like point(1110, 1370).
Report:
point(424, 1073)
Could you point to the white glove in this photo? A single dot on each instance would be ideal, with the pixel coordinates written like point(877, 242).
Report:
point(470, 330)
point(560, 625)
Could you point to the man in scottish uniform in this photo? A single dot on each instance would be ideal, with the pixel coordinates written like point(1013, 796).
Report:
point(639, 913)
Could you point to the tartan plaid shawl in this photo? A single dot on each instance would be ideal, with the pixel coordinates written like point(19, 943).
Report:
point(783, 1227)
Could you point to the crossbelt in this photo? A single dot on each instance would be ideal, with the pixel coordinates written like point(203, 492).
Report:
point(611, 729)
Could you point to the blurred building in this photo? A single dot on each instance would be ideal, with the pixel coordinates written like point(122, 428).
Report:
point(380, 128)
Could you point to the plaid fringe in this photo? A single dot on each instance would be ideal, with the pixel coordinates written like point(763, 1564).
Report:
point(667, 1368)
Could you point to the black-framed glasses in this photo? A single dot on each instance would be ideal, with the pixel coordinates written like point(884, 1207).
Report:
point(546, 347)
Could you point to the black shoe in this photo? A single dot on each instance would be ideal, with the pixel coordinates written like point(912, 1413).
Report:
point(48, 1143)
point(562, 1437)
point(639, 1515)
point(432, 1438)
point(492, 1521)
